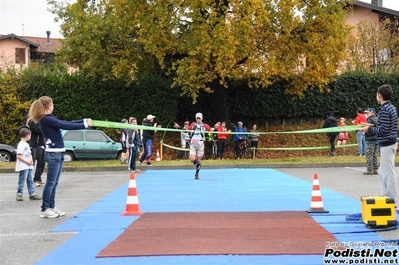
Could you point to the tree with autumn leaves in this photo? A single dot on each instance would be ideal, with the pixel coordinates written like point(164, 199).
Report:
point(374, 46)
point(204, 44)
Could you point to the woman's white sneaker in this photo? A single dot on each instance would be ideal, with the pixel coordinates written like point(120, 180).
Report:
point(60, 213)
point(48, 214)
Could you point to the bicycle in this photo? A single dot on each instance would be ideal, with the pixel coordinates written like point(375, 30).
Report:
point(179, 154)
point(243, 149)
point(211, 149)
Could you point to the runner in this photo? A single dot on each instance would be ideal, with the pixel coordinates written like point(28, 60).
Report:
point(198, 129)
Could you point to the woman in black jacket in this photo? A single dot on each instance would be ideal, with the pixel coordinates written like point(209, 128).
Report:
point(331, 121)
point(148, 138)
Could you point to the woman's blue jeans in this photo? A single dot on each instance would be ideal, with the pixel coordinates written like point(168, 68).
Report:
point(361, 143)
point(55, 162)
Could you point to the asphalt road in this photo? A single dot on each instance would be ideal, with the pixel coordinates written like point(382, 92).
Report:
point(25, 238)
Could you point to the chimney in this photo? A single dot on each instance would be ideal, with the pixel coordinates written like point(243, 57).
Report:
point(377, 2)
point(48, 37)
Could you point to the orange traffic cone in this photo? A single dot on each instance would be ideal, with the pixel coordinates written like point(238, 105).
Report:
point(158, 158)
point(316, 204)
point(132, 202)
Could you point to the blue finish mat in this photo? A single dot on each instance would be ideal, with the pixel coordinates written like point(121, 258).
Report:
point(218, 190)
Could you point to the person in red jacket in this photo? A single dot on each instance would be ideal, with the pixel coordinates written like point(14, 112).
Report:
point(197, 133)
point(360, 136)
point(342, 136)
point(222, 136)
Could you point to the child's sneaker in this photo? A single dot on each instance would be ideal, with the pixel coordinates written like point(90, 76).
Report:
point(19, 198)
point(35, 197)
point(48, 214)
point(60, 213)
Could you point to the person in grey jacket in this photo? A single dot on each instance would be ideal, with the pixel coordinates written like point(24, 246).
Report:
point(371, 145)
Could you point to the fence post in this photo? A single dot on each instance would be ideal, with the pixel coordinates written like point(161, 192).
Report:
point(161, 148)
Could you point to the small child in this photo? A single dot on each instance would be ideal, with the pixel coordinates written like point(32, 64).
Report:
point(342, 136)
point(24, 166)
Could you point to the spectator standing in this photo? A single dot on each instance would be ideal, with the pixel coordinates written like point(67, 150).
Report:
point(254, 139)
point(184, 136)
point(386, 131)
point(148, 138)
point(331, 121)
point(371, 145)
point(24, 166)
point(342, 136)
point(133, 142)
point(360, 137)
point(37, 145)
point(213, 137)
point(123, 139)
point(198, 130)
point(239, 138)
point(222, 137)
point(41, 111)
point(215, 128)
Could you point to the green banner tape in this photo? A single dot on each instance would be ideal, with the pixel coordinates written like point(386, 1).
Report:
point(348, 128)
point(119, 125)
point(304, 148)
point(176, 148)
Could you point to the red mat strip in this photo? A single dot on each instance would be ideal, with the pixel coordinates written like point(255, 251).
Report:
point(211, 233)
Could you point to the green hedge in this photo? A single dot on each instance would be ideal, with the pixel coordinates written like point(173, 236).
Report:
point(348, 92)
point(76, 96)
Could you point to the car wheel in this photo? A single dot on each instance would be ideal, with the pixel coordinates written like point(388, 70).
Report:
point(5, 157)
point(68, 157)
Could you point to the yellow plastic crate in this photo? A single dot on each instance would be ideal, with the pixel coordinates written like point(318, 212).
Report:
point(378, 211)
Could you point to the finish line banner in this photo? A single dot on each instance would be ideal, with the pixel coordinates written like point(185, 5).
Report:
point(120, 125)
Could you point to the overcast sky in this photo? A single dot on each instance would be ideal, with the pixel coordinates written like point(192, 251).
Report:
point(31, 18)
point(27, 18)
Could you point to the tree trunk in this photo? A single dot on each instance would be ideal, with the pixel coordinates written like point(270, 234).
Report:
point(217, 103)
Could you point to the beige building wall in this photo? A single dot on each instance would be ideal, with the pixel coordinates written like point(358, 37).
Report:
point(8, 50)
point(359, 13)
point(354, 16)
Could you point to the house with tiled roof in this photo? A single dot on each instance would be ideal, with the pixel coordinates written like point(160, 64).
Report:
point(366, 11)
point(21, 51)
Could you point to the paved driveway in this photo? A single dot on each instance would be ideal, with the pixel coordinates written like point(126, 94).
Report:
point(25, 238)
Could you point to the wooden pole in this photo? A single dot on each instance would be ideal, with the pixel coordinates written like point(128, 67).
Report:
point(161, 148)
